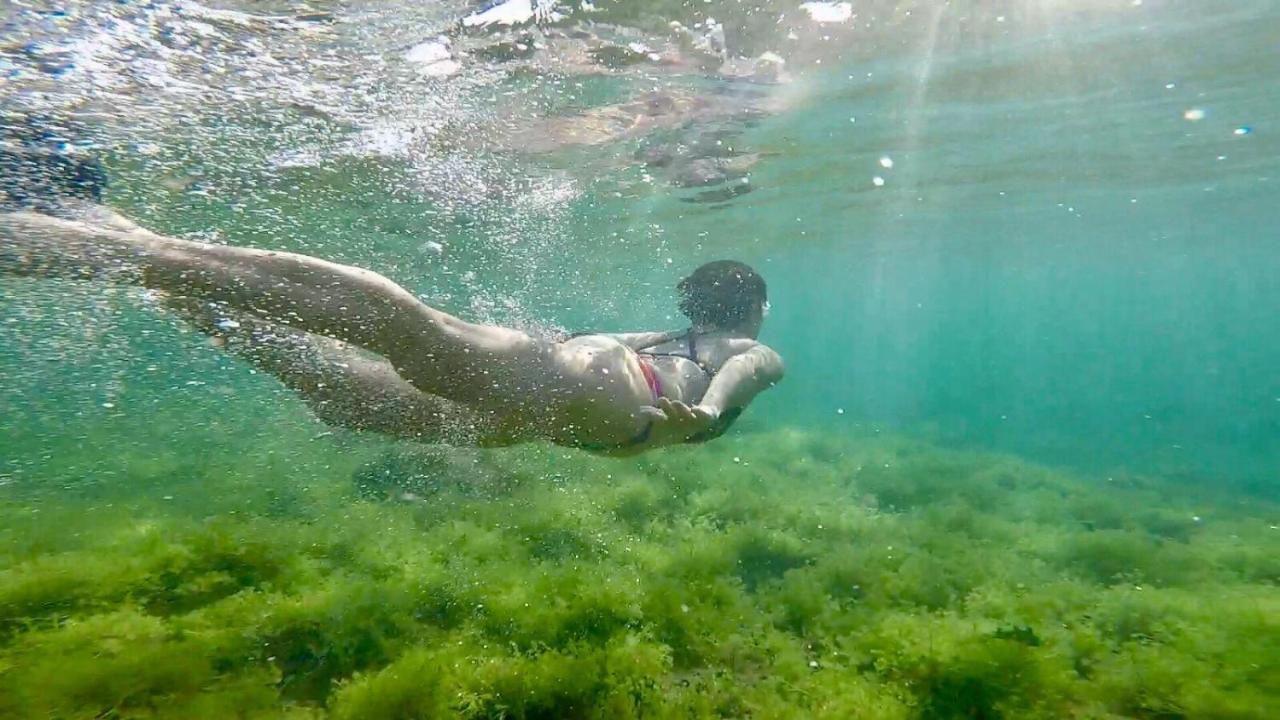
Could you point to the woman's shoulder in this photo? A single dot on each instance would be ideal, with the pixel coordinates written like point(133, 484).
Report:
point(718, 351)
point(735, 345)
point(766, 358)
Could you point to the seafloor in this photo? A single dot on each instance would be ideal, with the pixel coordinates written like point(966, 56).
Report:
point(771, 575)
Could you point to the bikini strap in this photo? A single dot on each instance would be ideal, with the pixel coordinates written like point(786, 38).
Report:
point(666, 338)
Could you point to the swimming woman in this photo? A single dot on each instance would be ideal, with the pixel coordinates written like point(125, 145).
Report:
point(366, 354)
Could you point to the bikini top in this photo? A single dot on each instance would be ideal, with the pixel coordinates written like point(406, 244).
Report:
point(718, 428)
point(690, 353)
point(728, 415)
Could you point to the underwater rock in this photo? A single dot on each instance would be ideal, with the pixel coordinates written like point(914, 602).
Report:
point(315, 16)
point(702, 118)
point(433, 58)
point(721, 194)
point(305, 18)
point(695, 134)
point(586, 48)
point(654, 110)
point(521, 47)
point(311, 110)
point(657, 156)
point(700, 172)
point(705, 42)
point(617, 57)
point(768, 68)
point(704, 160)
point(713, 171)
point(741, 164)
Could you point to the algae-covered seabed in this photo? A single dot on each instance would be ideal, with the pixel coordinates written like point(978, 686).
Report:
point(783, 573)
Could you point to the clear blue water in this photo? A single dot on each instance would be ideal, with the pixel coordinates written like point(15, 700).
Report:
point(1069, 255)
point(1059, 262)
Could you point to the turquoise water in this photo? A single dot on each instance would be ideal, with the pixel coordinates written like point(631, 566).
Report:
point(1059, 263)
point(1022, 253)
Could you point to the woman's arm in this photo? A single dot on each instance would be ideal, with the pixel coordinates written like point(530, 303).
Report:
point(734, 386)
point(741, 378)
point(635, 340)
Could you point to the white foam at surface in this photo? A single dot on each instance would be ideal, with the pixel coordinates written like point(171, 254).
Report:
point(428, 52)
point(433, 58)
point(828, 12)
point(512, 12)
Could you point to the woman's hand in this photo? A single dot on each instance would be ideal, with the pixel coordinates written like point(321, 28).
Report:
point(675, 422)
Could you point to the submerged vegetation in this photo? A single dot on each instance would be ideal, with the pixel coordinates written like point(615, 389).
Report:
point(770, 575)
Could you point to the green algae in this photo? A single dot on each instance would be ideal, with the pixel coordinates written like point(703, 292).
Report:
point(785, 574)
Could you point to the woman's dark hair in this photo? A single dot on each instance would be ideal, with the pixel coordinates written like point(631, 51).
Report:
point(723, 293)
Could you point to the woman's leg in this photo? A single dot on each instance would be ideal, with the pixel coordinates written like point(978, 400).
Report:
point(344, 386)
point(587, 390)
point(436, 352)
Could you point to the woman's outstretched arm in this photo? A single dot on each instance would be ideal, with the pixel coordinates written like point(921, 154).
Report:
point(741, 378)
point(734, 386)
